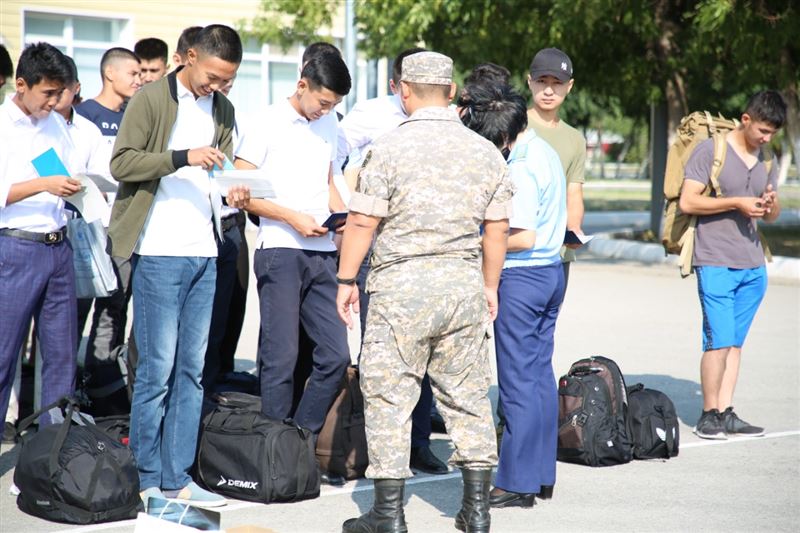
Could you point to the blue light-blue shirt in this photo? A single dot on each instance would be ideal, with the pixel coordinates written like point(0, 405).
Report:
point(540, 203)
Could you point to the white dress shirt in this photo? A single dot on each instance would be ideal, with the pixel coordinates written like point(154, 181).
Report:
point(180, 220)
point(87, 153)
point(367, 121)
point(22, 139)
point(296, 154)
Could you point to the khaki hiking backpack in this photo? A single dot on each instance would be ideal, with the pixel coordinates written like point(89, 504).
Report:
point(678, 228)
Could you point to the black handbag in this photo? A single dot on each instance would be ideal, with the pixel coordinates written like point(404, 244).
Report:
point(74, 472)
point(247, 456)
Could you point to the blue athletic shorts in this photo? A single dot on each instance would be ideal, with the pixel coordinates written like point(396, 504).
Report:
point(729, 298)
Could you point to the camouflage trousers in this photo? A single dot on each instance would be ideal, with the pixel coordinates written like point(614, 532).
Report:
point(448, 336)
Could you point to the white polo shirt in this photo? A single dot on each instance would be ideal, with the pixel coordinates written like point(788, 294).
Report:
point(180, 220)
point(297, 155)
point(22, 139)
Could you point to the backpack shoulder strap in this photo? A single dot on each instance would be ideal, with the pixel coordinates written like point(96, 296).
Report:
point(720, 151)
point(767, 158)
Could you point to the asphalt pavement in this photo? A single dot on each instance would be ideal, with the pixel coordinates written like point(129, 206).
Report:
point(647, 319)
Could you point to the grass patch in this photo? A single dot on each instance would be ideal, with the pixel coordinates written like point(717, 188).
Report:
point(782, 240)
point(598, 196)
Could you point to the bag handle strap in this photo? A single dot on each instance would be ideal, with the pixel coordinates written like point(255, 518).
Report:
point(27, 422)
point(302, 465)
point(670, 440)
point(61, 436)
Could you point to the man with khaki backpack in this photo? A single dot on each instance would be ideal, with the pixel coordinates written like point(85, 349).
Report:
point(729, 187)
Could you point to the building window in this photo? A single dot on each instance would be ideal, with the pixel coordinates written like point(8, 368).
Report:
point(263, 78)
point(85, 39)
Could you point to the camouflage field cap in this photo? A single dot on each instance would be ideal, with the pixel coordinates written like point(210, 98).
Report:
point(427, 67)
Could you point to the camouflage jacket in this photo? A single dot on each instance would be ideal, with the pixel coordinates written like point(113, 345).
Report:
point(433, 182)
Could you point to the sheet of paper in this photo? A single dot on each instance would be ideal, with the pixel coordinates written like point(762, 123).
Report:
point(49, 164)
point(259, 184)
point(104, 183)
point(90, 202)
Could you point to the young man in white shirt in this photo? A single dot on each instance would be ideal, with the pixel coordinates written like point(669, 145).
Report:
point(37, 277)
point(164, 218)
point(120, 70)
point(85, 154)
point(295, 260)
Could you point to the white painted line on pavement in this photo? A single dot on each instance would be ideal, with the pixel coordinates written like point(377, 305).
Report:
point(710, 442)
point(361, 485)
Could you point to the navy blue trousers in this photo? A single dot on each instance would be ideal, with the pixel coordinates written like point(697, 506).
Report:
point(294, 287)
point(37, 281)
point(529, 302)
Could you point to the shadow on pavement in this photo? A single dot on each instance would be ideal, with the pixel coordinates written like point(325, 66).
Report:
point(8, 459)
point(685, 394)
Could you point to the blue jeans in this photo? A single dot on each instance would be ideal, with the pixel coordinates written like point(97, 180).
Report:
point(172, 301)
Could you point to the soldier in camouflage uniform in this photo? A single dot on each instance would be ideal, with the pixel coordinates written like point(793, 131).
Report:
point(426, 187)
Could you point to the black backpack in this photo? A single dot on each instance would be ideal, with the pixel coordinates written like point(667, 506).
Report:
point(653, 424)
point(247, 456)
point(592, 411)
point(74, 472)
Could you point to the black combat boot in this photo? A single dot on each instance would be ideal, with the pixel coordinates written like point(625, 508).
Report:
point(474, 514)
point(386, 515)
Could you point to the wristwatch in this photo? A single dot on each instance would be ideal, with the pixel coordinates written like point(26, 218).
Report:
point(345, 281)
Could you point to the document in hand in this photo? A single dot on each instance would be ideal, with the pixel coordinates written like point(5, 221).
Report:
point(90, 202)
point(258, 182)
point(49, 164)
point(105, 184)
point(574, 238)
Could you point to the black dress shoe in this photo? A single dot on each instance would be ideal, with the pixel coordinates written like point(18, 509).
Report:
point(331, 479)
point(422, 459)
point(500, 498)
point(545, 493)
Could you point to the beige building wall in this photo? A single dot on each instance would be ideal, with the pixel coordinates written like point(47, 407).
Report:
point(86, 28)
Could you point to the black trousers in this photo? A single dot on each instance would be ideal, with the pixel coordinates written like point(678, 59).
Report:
point(227, 315)
point(299, 287)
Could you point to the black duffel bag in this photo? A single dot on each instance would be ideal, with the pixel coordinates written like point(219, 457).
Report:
point(653, 424)
point(247, 456)
point(74, 472)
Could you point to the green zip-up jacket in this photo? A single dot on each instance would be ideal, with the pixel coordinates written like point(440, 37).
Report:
point(141, 157)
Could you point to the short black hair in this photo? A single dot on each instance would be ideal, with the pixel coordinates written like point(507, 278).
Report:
point(767, 106)
point(43, 61)
point(219, 41)
point(187, 39)
point(488, 72)
point(115, 54)
point(73, 68)
point(6, 66)
point(317, 48)
point(329, 71)
point(397, 64)
point(151, 48)
point(496, 112)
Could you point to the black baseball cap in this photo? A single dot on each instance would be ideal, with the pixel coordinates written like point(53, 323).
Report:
point(551, 62)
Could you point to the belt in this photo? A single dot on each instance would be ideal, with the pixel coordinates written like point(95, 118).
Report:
point(231, 221)
point(51, 237)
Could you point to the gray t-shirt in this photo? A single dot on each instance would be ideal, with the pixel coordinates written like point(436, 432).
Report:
point(729, 239)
